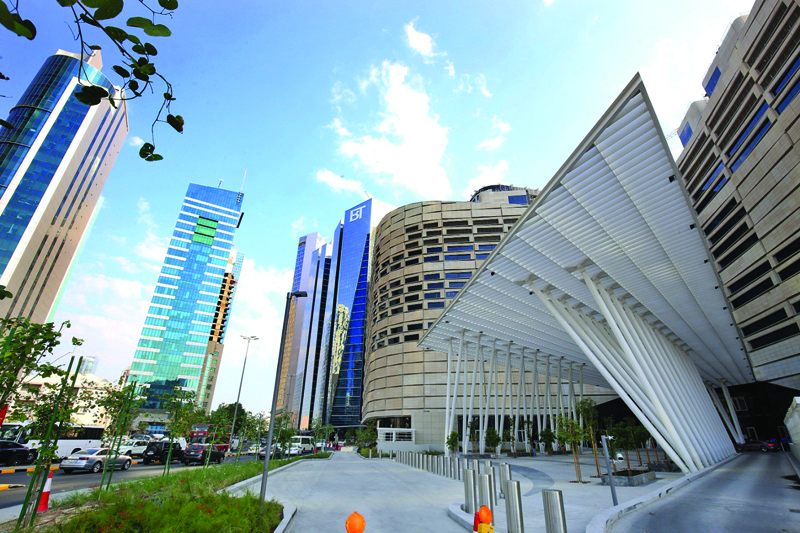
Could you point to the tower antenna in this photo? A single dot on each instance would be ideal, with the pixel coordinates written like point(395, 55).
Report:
point(243, 178)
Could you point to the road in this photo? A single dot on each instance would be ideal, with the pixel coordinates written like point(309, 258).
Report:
point(81, 480)
point(757, 492)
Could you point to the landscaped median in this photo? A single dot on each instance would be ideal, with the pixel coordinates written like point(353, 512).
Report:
point(185, 500)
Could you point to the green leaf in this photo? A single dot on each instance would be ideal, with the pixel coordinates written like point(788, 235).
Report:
point(171, 5)
point(109, 10)
point(158, 30)
point(146, 150)
point(134, 39)
point(89, 20)
point(138, 49)
point(153, 157)
point(142, 61)
point(91, 94)
point(176, 122)
point(121, 71)
point(13, 22)
point(148, 69)
point(134, 85)
point(169, 97)
point(150, 49)
point(67, 3)
point(140, 75)
point(139, 22)
point(94, 47)
point(9, 126)
point(94, 3)
point(118, 34)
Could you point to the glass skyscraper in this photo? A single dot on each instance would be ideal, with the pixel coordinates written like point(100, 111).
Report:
point(53, 165)
point(184, 332)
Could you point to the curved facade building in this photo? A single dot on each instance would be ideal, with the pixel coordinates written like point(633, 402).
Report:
point(424, 253)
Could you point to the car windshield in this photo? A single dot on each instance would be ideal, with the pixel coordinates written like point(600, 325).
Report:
point(9, 432)
point(90, 451)
point(195, 447)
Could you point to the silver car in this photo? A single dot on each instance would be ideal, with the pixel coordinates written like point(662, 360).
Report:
point(93, 459)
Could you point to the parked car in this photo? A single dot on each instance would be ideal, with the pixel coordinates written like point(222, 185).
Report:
point(93, 460)
point(321, 446)
point(134, 447)
point(159, 451)
point(301, 444)
point(13, 453)
point(196, 454)
point(758, 445)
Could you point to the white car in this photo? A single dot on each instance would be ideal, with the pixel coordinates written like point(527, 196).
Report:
point(134, 448)
point(301, 444)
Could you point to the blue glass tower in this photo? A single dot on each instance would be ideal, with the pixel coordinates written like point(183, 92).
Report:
point(181, 341)
point(53, 165)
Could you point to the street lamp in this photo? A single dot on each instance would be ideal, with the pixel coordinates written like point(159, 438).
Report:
point(236, 407)
point(289, 295)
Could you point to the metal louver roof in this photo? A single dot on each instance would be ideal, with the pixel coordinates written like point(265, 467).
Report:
point(616, 208)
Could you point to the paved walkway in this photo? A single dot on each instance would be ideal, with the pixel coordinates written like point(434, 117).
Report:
point(753, 493)
point(390, 496)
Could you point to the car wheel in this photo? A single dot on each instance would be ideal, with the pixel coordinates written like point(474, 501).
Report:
point(31, 457)
point(219, 460)
point(66, 471)
point(146, 461)
point(128, 453)
point(98, 466)
point(764, 449)
point(126, 465)
point(14, 461)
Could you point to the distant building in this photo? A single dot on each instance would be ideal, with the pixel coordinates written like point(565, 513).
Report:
point(87, 412)
point(184, 333)
point(53, 166)
point(88, 365)
point(740, 168)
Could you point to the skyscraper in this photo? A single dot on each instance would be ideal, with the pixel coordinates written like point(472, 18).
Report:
point(184, 332)
point(53, 165)
point(740, 168)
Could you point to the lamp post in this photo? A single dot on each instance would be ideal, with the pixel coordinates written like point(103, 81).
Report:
point(236, 407)
point(289, 295)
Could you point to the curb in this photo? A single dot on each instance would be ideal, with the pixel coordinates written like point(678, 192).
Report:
point(606, 518)
point(30, 469)
point(251, 481)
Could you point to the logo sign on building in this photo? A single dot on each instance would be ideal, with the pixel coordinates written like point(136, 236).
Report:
point(356, 213)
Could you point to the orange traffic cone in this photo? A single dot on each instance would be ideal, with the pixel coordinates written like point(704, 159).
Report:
point(44, 502)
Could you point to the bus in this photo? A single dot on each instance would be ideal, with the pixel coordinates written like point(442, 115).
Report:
point(76, 437)
point(206, 433)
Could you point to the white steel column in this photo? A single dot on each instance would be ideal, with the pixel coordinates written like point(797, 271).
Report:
point(560, 399)
point(481, 372)
point(547, 404)
point(452, 421)
point(447, 398)
point(722, 414)
point(496, 384)
point(608, 366)
point(489, 385)
point(472, 391)
point(505, 392)
point(732, 410)
point(538, 411)
point(464, 435)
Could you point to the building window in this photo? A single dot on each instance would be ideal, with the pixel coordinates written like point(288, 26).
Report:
point(739, 404)
point(458, 249)
point(435, 305)
point(433, 276)
point(457, 284)
point(432, 295)
point(435, 250)
point(450, 294)
point(456, 275)
point(431, 258)
point(481, 256)
point(457, 257)
point(439, 285)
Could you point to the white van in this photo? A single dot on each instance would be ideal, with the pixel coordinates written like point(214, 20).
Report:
point(301, 444)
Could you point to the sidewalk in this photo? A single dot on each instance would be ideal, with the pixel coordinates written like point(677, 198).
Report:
point(581, 502)
point(390, 496)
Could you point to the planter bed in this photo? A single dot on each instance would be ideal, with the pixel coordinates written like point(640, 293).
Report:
point(630, 478)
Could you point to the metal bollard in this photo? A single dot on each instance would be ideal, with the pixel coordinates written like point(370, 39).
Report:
point(496, 476)
point(476, 466)
point(514, 520)
point(505, 477)
point(370, 453)
point(485, 492)
point(555, 521)
point(469, 492)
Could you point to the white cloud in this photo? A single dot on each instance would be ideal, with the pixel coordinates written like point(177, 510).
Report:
point(548, 3)
point(411, 143)
point(492, 143)
point(153, 247)
point(340, 93)
point(421, 43)
point(338, 127)
point(502, 127)
point(126, 264)
point(480, 81)
point(451, 70)
point(338, 183)
point(487, 175)
point(135, 141)
point(298, 226)
point(595, 19)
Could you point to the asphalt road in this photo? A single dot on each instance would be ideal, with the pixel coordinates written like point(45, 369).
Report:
point(80, 480)
point(757, 492)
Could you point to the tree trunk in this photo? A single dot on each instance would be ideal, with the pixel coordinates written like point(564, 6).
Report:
point(575, 457)
point(627, 461)
point(594, 450)
point(655, 448)
point(647, 451)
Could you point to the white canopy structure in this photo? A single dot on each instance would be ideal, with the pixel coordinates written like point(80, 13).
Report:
point(606, 272)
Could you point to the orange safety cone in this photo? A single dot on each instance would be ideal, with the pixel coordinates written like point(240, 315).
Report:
point(44, 502)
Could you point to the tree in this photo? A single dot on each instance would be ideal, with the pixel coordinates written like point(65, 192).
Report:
point(570, 432)
point(137, 69)
point(321, 430)
point(492, 439)
point(587, 410)
point(368, 434)
point(548, 438)
point(23, 348)
point(474, 428)
point(453, 442)
point(622, 438)
point(175, 405)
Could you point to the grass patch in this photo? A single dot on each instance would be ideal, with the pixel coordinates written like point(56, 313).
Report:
point(187, 500)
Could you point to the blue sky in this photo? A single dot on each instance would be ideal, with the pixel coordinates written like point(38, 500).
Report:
point(322, 101)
